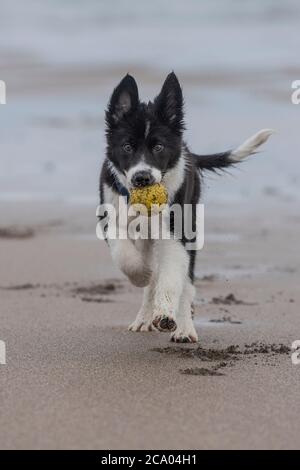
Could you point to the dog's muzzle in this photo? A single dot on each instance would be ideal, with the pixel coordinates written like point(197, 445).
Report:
point(142, 178)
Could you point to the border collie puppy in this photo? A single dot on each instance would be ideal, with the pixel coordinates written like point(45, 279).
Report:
point(145, 146)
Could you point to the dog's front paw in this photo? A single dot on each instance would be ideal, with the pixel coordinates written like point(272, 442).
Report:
point(185, 334)
point(164, 322)
point(140, 324)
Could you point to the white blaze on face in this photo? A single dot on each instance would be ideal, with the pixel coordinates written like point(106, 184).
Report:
point(147, 129)
point(142, 166)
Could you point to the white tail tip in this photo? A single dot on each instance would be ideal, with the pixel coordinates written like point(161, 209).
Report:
point(250, 145)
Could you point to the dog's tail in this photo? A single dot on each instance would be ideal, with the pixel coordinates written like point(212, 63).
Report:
point(231, 157)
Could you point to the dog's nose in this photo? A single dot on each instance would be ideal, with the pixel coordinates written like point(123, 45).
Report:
point(142, 178)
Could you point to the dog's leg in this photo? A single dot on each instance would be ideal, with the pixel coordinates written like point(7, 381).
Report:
point(143, 321)
point(172, 272)
point(185, 331)
point(132, 262)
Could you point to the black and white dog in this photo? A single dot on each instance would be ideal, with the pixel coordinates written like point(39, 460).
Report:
point(145, 146)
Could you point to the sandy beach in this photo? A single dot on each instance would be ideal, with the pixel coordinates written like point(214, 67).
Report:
point(76, 378)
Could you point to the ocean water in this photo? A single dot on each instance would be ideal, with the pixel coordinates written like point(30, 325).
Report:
point(61, 59)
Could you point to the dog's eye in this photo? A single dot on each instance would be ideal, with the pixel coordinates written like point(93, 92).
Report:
point(127, 147)
point(158, 148)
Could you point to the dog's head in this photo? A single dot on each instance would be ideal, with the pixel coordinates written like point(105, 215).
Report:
point(144, 141)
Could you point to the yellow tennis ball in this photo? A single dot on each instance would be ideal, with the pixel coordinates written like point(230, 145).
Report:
point(148, 196)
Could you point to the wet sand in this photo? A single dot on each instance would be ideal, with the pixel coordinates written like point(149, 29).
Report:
point(76, 378)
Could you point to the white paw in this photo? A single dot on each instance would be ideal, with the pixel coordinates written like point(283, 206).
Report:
point(185, 333)
point(141, 324)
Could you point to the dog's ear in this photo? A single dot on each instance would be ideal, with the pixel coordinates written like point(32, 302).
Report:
point(169, 103)
point(124, 100)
